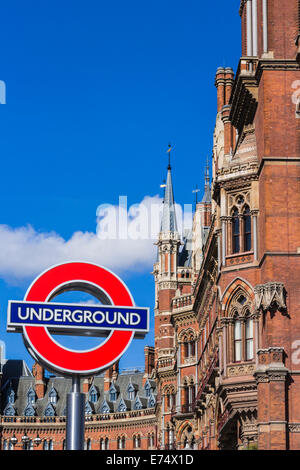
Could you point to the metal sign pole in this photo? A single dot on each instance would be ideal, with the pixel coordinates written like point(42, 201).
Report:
point(75, 416)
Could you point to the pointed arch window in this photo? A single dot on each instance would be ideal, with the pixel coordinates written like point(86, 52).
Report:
point(235, 231)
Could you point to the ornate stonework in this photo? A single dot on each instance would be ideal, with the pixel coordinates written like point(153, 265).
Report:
point(270, 296)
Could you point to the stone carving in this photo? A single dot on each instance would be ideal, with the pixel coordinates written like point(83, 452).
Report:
point(294, 427)
point(247, 369)
point(270, 296)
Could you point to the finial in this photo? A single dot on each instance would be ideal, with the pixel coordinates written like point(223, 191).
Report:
point(207, 172)
point(169, 152)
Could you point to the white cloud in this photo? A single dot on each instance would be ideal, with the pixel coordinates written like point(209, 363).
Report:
point(25, 252)
point(123, 242)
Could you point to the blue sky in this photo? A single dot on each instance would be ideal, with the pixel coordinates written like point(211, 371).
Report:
point(95, 91)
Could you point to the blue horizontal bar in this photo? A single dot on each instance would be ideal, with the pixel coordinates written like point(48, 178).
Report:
point(58, 316)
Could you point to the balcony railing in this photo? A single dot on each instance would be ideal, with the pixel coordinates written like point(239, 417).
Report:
point(183, 301)
point(88, 417)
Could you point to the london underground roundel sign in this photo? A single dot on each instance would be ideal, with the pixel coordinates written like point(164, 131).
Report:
point(117, 318)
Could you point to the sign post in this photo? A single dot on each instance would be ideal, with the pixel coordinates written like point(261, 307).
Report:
point(75, 416)
point(118, 319)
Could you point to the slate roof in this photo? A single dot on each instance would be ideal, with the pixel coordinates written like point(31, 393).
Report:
point(21, 384)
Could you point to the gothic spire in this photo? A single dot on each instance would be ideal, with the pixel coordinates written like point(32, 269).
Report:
point(168, 222)
point(207, 196)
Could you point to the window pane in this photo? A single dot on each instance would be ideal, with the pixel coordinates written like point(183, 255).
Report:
point(249, 329)
point(238, 351)
point(235, 232)
point(237, 330)
point(247, 229)
point(249, 349)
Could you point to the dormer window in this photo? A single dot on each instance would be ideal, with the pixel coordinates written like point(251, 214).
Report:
point(151, 401)
point(122, 406)
point(104, 408)
point(112, 393)
point(49, 410)
point(29, 410)
point(138, 404)
point(148, 389)
point(10, 396)
point(130, 392)
point(93, 394)
point(31, 396)
point(88, 409)
point(53, 396)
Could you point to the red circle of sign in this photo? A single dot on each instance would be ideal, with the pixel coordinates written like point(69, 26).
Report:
point(57, 356)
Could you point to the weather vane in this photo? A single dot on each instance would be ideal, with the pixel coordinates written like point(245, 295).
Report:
point(196, 191)
point(170, 147)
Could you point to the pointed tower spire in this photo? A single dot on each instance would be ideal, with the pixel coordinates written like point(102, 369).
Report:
point(207, 196)
point(169, 222)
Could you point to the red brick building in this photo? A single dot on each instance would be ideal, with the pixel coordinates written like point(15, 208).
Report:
point(224, 372)
point(227, 322)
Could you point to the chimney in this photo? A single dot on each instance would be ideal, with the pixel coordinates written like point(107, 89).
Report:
point(229, 80)
point(108, 379)
point(224, 83)
point(149, 362)
point(39, 380)
point(220, 85)
point(86, 385)
point(115, 371)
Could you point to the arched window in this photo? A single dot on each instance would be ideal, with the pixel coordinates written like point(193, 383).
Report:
point(186, 348)
point(247, 228)
point(240, 332)
point(121, 442)
point(235, 231)
point(136, 442)
point(104, 443)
